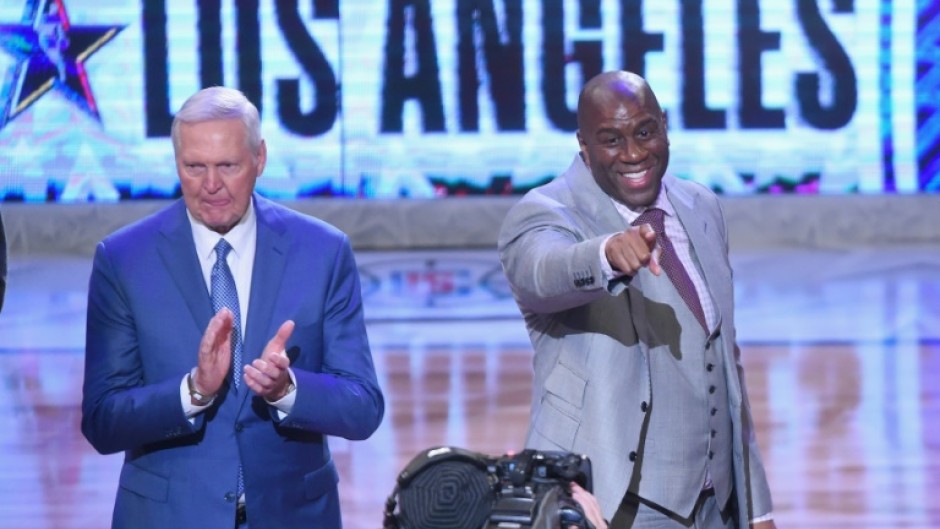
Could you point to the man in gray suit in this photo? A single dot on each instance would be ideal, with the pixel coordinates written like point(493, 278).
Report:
point(622, 275)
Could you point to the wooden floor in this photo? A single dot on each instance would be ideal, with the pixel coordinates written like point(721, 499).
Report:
point(842, 353)
point(850, 433)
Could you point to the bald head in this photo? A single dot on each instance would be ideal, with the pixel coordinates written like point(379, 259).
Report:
point(623, 138)
point(609, 87)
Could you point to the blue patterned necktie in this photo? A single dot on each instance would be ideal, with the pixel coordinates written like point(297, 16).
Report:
point(669, 261)
point(224, 294)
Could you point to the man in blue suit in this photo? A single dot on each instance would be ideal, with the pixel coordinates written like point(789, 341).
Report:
point(225, 342)
point(622, 274)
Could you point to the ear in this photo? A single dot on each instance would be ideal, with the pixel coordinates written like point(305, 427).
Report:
point(262, 158)
point(582, 146)
point(666, 127)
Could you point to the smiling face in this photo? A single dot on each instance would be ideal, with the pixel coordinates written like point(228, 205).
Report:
point(623, 140)
point(217, 171)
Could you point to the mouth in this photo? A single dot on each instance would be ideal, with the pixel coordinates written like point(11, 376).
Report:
point(636, 178)
point(216, 203)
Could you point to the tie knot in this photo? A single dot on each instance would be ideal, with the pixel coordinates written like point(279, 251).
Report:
point(222, 249)
point(653, 217)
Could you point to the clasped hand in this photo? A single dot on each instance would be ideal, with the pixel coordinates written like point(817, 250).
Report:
point(267, 375)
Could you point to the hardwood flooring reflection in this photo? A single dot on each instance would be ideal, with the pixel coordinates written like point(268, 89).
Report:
point(850, 432)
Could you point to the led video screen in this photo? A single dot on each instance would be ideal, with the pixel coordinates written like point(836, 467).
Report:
point(440, 98)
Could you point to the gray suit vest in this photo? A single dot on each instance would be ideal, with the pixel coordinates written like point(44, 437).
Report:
point(688, 440)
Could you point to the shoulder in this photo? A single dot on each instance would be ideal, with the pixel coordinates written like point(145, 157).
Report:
point(282, 217)
point(558, 195)
point(693, 200)
point(692, 193)
point(142, 231)
point(689, 187)
point(548, 205)
point(299, 233)
point(571, 203)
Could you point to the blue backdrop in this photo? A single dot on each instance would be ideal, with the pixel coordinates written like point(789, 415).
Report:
point(428, 98)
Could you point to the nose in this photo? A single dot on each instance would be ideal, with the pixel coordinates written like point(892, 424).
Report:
point(632, 152)
point(213, 181)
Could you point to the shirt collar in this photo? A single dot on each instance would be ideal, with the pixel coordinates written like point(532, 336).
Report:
point(662, 202)
point(239, 237)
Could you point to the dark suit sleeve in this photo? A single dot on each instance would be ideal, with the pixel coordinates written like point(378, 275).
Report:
point(343, 397)
point(120, 411)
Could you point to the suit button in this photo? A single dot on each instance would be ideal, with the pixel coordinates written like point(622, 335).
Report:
point(230, 497)
point(711, 454)
point(708, 345)
point(709, 366)
point(643, 406)
point(711, 389)
point(239, 427)
point(714, 433)
point(632, 456)
point(714, 411)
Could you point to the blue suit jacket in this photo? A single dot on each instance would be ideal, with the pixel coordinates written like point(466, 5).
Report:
point(148, 307)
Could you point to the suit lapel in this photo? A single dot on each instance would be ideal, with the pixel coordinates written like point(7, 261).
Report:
point(698, 225)
point(694, 222)
point(266, 277)
point(178, 252)
point(590, 198)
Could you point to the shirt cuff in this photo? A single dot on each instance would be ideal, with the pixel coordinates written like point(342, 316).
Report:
point(609, 273)
point(286, 403)
point(765, 518)
point(190, 409)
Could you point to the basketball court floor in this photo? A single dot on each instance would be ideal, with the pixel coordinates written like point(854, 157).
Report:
point(841, 348)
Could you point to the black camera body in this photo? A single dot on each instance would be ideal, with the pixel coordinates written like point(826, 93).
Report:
point(452, 488)
point(532, 490)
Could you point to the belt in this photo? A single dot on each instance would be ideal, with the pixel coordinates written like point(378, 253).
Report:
point(240, 516)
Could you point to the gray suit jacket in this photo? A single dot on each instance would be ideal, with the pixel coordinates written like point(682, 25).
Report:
point(592, 338)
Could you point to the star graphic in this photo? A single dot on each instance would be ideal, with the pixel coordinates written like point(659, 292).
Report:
point(50, 55)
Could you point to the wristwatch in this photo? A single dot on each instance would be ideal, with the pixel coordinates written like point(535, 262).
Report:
point(287, 391)
point(197, 398)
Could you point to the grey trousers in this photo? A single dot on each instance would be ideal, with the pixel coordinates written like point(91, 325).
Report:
point(635, 513)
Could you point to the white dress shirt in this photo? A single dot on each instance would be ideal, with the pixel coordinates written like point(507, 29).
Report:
point(241, 259)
